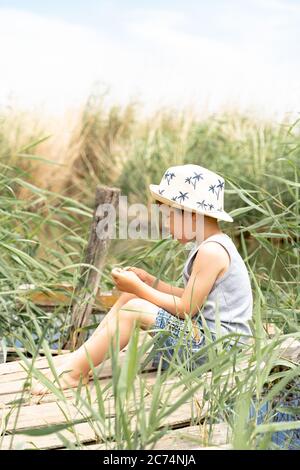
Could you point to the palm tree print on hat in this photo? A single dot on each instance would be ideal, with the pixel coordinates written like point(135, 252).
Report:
point(202, 204)
point(220, 186)
point(174, 198)
point(212, 188)
point(161, 191)
point(211, 206)
point(194, 179)
point(169, 175)
point(182, 196)
point(198, 176)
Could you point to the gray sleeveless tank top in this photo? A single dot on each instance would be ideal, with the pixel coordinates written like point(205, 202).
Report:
point(231, 294)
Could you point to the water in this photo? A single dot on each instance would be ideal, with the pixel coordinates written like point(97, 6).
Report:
point(283, 439)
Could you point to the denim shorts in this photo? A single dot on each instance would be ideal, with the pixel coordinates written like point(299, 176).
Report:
point(175, 328)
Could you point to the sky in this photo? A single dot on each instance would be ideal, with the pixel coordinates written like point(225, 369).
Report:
point(207, 55)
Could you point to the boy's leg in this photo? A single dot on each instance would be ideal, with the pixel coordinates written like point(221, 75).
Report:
point(123, 299)
point(134, 311)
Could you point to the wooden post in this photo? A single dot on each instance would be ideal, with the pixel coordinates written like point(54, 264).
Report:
point(96, 251)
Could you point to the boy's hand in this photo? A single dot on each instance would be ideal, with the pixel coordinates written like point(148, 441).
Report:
point(125, 280)
point(141, 273)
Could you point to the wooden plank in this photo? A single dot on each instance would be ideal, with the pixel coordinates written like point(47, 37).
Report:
point(221, 447)
point(42, 416)
point(15, 392)
point(22, 374)
point(87, 433)
point(14, 367)
point(185, 438)
point(289, 349)
point(41, 352)
point(178, 447)
point(63, 294)
point(83, 432)
point(49, 415)
point(9, 395)
point(42, 362)
point(45, 414)
point(11, 389)
point(13, 384)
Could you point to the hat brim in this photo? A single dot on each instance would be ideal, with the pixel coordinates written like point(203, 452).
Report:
point(220, 215)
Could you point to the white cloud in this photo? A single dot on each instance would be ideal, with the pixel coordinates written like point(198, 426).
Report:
point(54, 62)
point(47, 60)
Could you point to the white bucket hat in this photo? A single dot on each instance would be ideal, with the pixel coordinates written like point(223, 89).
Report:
point(194, 188)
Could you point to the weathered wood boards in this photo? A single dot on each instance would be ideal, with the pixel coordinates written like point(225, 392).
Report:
point(50, 411)
point(64, 294)
point(88, 432)
point(199, 437)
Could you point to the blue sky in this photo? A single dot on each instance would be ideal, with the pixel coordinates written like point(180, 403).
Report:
point(230, 20)
point(205, 54)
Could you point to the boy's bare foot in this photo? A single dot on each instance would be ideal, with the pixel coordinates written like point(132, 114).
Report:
point(67, 378)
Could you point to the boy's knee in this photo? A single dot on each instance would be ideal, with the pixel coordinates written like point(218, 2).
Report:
point(126, 296)
point(137, 310)
point(132, 308)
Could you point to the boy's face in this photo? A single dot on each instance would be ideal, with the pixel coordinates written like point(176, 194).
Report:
point(183, 225)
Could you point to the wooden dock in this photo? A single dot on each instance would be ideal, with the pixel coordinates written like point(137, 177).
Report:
point(27, 421)
point(83, 419)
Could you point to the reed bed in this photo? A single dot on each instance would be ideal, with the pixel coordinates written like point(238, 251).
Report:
point(44, 223)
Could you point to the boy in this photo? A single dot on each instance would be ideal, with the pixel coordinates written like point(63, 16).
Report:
point(215, 279)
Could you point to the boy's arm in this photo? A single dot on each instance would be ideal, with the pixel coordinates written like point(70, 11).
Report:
point(200, 283)
point(162, 286)
point(156, 283)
